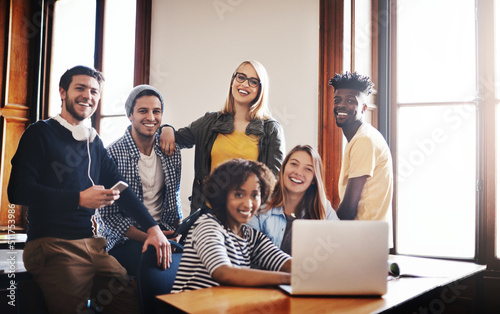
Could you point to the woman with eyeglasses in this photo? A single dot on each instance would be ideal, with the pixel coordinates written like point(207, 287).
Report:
point(244, 128)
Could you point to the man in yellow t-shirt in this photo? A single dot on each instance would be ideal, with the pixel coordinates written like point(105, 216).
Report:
point(366, 176)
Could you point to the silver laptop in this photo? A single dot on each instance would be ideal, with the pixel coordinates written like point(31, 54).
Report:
point(339, 258)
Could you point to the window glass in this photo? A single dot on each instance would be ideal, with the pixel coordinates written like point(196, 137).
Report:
point(496, 32)
point(363, 52)
point(346, 64)
point(72, 43)
point(497, 124)
point(436, 128)
point(113, 128)
point(435, 51)
point(362, 37)
point(118, 54)
point(497, 163)
point(436, 177)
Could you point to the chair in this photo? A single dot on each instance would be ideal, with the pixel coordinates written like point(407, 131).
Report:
point(186, 224)
point(153, 281)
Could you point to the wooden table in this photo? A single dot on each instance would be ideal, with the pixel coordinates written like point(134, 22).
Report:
point(434, 274)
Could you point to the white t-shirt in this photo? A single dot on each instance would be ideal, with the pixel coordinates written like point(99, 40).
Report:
point(153, 182)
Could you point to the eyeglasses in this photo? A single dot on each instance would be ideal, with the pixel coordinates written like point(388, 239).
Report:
point(241, 78)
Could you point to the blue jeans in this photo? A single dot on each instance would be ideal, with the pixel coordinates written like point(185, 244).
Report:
point(128, 254)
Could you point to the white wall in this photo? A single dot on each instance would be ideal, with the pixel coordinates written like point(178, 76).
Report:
point(197, 44)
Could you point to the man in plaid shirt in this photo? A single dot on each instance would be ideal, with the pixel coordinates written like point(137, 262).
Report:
point(152, 175)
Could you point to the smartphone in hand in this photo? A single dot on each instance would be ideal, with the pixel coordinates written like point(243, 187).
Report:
point(120, 186)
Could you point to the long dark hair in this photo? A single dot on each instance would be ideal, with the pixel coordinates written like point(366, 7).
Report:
point(314, 203)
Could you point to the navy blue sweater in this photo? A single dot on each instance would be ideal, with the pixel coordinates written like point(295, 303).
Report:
point(50, 169)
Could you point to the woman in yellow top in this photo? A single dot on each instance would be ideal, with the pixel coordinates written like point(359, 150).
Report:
point(244, 128)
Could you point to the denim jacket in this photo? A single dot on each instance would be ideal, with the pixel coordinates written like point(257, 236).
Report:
point(203, 132)
point(273, 222)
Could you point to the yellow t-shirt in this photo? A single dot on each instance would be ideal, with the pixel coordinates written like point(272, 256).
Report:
point(368, 154)
point(234, 145)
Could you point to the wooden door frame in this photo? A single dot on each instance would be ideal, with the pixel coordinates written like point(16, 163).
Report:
point(330, 62)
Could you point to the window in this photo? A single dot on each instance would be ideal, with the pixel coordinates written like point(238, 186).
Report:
point(444, 114)
point(68, 49)
point(109, 47)
point(118, 67)
point(438, 67)
point(435, 116)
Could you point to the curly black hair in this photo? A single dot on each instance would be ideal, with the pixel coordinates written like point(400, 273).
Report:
point(231, 175)
point(354, 81)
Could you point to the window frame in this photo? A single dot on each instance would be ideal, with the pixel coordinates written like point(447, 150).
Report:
point(483, 236)
point(486, 239)
point(142, 49)
point(486, 177)
point(142, 52)
point(330, 62)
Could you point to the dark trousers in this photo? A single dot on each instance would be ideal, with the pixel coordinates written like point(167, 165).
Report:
point(128, 254)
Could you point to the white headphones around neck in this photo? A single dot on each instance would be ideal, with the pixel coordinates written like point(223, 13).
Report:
point(80, 132)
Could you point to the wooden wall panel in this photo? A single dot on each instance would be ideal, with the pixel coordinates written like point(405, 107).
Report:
point(4, 26)
point(331, 58)
point(19, 39)
point(143, 42)
point(12, 129)
point(19, 36)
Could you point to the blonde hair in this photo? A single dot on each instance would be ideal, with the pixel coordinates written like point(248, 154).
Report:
point(314, 203)
point(260, 107)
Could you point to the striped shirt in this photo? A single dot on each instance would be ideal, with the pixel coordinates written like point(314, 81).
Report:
point(210, 245)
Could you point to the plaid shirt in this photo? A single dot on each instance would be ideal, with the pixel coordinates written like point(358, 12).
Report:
point(111, 222)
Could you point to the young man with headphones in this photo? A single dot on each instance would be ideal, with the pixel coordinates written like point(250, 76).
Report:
point(62, 172)
point(152, 175)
